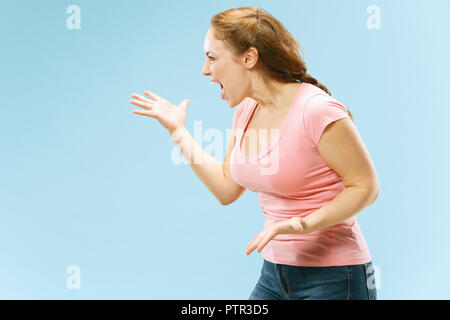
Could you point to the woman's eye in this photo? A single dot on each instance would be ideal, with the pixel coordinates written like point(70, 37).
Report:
point(211, 58)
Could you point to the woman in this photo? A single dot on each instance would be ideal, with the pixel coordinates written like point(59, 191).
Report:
point(312, 180)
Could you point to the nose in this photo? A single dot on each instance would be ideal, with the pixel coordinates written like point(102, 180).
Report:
point(205, 70)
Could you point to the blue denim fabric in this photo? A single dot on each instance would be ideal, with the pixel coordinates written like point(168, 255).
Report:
point(286, 282)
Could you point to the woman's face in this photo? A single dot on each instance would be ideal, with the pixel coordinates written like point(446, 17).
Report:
point(226, 70)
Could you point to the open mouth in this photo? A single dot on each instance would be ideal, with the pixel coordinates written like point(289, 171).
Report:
point(222, 90)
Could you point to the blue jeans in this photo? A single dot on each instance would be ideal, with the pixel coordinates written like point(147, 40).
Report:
point(286, 282)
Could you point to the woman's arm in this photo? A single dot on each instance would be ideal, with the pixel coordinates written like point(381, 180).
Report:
point(346, 204)
point(214, 175)
point(342, 148)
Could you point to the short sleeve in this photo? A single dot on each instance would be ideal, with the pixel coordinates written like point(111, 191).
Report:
point(319, 111)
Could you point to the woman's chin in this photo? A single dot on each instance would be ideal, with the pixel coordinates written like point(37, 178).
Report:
point(230, 104)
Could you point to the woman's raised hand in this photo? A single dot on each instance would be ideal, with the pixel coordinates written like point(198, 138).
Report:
point(172, 117)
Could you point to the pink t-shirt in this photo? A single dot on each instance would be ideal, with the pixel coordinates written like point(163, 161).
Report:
point(292, 179)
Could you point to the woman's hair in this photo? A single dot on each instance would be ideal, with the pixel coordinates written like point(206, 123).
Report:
point(278, 51)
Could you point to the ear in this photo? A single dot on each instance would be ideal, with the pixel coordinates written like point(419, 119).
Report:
point(251, 57)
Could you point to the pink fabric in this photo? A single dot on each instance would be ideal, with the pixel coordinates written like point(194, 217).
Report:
point(292, 179)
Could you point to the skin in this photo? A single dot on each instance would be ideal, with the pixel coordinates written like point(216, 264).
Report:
point(241, 78)
point(340, 146)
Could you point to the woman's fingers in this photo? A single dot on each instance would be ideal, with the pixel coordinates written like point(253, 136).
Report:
point(149, 112)
point(141, 98)
point(254, 243)
point(152, 95)
point(250, 247)
point(142, 104)
point(144, 113)
point(269, 236)
point(293, 225)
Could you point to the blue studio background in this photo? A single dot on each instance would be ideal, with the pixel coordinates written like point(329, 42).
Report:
point(86, 183)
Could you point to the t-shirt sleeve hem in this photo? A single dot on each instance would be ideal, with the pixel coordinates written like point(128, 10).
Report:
point(328, 121)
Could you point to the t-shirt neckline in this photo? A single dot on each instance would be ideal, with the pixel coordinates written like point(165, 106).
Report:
point(282, 129)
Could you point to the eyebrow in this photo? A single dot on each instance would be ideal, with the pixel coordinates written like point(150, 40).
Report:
point(207, 52)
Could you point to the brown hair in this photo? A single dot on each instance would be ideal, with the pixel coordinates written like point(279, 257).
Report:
point(278, 51)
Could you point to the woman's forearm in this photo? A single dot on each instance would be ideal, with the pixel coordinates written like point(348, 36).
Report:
point(207, 168)
point(345, 205)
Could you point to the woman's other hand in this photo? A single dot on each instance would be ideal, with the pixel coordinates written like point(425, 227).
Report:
point(295, 225)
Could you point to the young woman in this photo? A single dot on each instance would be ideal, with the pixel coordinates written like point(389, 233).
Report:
point(296, 146)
